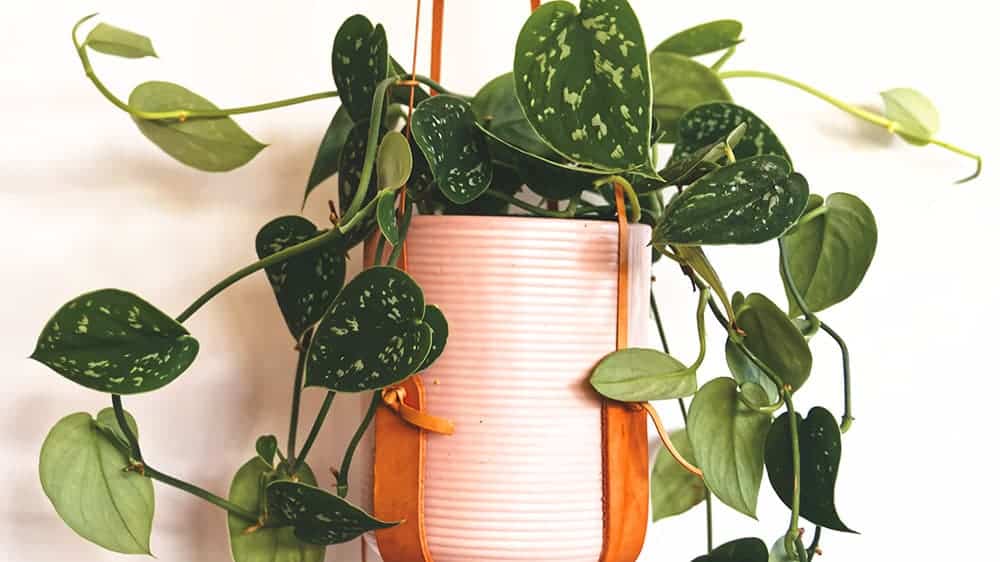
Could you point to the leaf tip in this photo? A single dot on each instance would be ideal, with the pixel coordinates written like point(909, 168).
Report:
point(979, 170)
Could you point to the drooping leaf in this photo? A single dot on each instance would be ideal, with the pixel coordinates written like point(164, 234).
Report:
point(373, 335)
point(641, 375)
point(327, 160)
point(446, 131)
point(318, 516)
point(710, 122)
point(434, 318)
point(352, 162)
point(774, 339)
point(113, 341)
point(739, 550)
point(916, 115)
point(749, 202)
point(268, 544)
point(385, 212)
point(211, 145)
point(497, 108)
point(673, 489)
point(703, 39)
point(119, 42)
point(728, 441)
point(819, 454)
point(684, 171)
point(829, 255)
point(695, 258)
point(583, 81)
point(680, 83)
point(306, 284)
point(81, 469)
point(267, 447)
point(360, 61)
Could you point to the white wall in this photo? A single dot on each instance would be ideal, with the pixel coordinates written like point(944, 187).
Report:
point(87, 203)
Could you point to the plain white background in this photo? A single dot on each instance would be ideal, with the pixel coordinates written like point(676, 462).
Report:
point(87, 203)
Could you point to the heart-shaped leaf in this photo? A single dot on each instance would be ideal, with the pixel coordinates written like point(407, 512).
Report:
point(373, 336)
point(703, 39)
point(749, 202)
point(306, 284)
point(915, 114)
point(819, 454)
point(352, 163)
point(267, 544)
point(774, 339)
point(679, 84)
point(728, 442)
point(739, 550)
point(112, 40)
point(710, 122)
point(829, 255)
point(498, 110)
point(113, 341)
point(674, 490)
point(360, 61)
point(434, 318)
point(641, 375)
point(583, 81)
point(446, 131)
point(81, 469)
point(327, 160)
point(318, 516)
point(267, 447)
point(211, 145)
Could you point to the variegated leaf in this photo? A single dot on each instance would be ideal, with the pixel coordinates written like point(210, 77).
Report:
point(710, 122)
point(318, 516)
point(360, 62)
point(446, 131)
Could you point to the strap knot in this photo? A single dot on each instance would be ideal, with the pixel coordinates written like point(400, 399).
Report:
point(394, 398)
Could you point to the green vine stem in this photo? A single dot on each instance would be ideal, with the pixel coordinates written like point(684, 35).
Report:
point(847, 419)
point(708, 520)
point(861, 113)
point(345, 465)
point(800, 301)
point(300, 369)
point(324, 409)
point(814, 547)
point(633, 198)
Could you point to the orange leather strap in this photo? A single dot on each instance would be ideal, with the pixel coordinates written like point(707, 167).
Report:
point(394, 398)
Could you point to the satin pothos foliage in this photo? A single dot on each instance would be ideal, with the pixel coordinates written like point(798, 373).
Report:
point(584, 106)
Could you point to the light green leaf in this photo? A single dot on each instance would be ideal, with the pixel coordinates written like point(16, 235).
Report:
point(641, 375)
point(773, 338)
point(434, 318)
point(112, 40)
point(703, 39)
point(108, 423)
point(113, 341)
point(583, 81)
point(779, 553)
point(497, 108)
point(739, 550)
point(829, 255)
point(710, 122)
point(679, 84)
point(267, 447)
point(674, 490)
point(81, 470)
point(728, 441)
point(318, 516)
point(915, 114)
point(211, 145)
point(327, 160)
point(394, 161)
point(745, 372)
point(360, 61)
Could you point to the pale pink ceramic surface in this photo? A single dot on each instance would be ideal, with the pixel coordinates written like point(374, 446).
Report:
point(531, 305)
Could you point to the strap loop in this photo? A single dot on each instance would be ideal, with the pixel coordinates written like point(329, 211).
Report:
point(394, 397)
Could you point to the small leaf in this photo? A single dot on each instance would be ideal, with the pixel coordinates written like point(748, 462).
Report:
point(394, 162)
point(267, 447)
point(115, 342)
point(352, 162)
point(680, 84)
point(583, 81)
point(779, 553)
point(108, 423)
point(703, 39)
point(306, 284)
point(819, 450)
point(327, 160)
point(497, 108)
point(373, 335)
point(739, 550)
point(745, 372)
point(385, 212)
point(674, 490)
point(434, 318)
point(641, 375)
point(915, 114)
point(749, 202)
point(360, 61)
point(728, 441)
point(112, 40)
point(446, 131)
point(829, 255)
point(211, 145)
point(81, 469)
point(684, 171)
point(710, 122)
point(775, 340)
point(318, 516)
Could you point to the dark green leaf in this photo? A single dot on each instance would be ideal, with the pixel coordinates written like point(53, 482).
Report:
point(318, 516)
point(373, 335)
point(505, 180)
point(446, 131)
point(81, 469)
point(385, 212)
point(360, 61)
point(684, 171)
point(679, 84)
point(402, 95)
point(328, 155)
point(703, 39)
point(829, 255)
point(112, 40)
point(674, 490)
point(548, 178)
point(712, 121)
point(774, 339)
point(498, 110)
point(915, 114)
point(583, 81)
point(421, 184)
point(115, 342)
point(819, 450)
point(434, 318)
point(739, 550)
point(306, 284)
point(211, 145)
point(267, 447)
point(352, 162)
point(641, 375)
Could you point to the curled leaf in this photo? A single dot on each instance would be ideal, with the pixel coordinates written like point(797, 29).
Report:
point(119, 42)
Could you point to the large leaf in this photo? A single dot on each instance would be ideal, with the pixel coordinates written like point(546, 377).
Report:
point(373, 335)
point(327, 160)
point(305, 284)
point(498, 110)
point(583, 81)
point(268, 544)
point(81, 470)
point(318, 516)
point(774, 339)
point(641, 375)
point(915, 114)
point(703, 39)
point(673, 488)
point(739, 550)
point(749, 202)
point(446, 131)
point(352, 162)
point(829, 255)
point(679, 84)
point(710, 122)
point(728, 442)
point(112, 40)
point(211, 145)
point(360, 61)
point(819, 454)
point(113, 341)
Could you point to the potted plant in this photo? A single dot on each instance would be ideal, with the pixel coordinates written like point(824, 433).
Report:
point(507, 256)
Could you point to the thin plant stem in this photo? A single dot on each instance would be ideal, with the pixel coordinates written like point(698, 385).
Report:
point(300, 368)
point(724, 58)
point(371, 147)
point(404, 227)
point(814, 547)
point(659, 323)
point(667, 443)
point(343, 477)
point(847, 419)
point(800, 301)
point(633, 198)
point(324, 409)
point(708, 518)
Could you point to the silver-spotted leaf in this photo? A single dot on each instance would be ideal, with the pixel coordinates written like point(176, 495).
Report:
point(373, 336)
point(119, 42)
point(267, 447)
point(113, 341)
point(707, 123)
point(352, 163)
point(740, 550)
point(774, 339)
point(305, 284)
point(679, 84)
point(914, 113)
point(81, 470)
point(446, 131)
point(583, 81)
point(498, 110)
point(318, 516)
point(673, 489)
point(434, 318)
point(703, 39)
point(360, 61)
point(327, 160)
point(641, 375)
point(212, 145)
